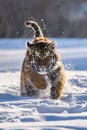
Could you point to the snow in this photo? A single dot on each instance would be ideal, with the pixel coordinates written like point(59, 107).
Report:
point(26, 113)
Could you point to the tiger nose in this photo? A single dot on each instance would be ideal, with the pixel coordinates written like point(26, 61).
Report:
point(42, 67)
point(42, 57)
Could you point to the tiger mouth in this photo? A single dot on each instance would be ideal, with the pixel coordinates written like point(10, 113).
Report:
point(40, 70)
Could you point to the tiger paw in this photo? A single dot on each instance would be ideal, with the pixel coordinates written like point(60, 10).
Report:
point(31, 92)
point(54, 94)
point(23, 94)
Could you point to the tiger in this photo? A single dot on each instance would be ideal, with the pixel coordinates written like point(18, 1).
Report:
point(41, 64)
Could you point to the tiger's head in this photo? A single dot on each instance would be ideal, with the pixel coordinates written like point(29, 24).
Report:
point(42, 57)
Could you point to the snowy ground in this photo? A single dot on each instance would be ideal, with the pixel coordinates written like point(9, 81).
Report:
point(69, 113)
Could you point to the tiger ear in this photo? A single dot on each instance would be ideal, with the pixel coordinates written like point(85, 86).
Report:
point(28, 44)
point(51, 46)
point(30, 47)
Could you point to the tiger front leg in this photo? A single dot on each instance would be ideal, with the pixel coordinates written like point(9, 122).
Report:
point(27, 89)
point(23, 90)
point(31, 91)
point(56, 91)
point(57, 85)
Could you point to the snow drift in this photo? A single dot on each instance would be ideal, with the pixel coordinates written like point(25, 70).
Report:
point(69, 113)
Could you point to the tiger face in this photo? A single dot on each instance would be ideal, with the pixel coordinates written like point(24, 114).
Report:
point(42, 57)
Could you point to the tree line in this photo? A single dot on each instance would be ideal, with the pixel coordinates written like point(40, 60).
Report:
point(57, 18)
